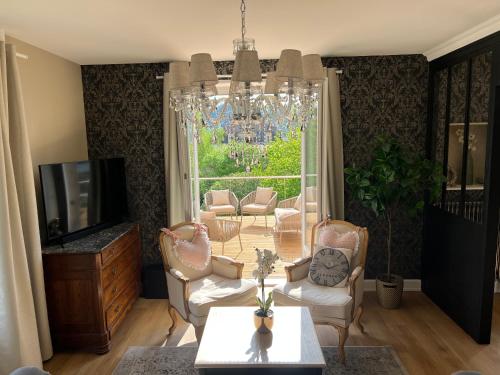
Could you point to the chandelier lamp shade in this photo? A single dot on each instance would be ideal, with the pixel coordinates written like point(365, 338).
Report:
point(288, 101)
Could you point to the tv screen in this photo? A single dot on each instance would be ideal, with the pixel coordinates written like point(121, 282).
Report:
point(81, 195)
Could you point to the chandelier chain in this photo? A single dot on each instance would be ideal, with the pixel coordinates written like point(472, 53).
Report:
point(243, 9)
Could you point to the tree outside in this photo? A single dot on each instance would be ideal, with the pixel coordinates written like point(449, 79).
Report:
point(282, 158)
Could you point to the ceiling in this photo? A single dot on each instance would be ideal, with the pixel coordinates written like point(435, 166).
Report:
point(130, 31)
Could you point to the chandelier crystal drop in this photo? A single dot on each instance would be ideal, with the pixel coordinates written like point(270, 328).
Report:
point(251, 115)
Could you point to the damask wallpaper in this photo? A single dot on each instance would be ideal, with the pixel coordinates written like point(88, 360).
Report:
point(384, 95)
point(123, 112)
point(379, 94)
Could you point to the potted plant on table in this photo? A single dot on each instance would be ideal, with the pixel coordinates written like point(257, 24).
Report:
point(393, 182)
point(263, 316)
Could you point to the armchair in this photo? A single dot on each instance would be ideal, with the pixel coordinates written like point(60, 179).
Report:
point(220, 230)
point(287, 216)
point(250, 206)
point(334, 306)
point(229, 207)
point(193, 292)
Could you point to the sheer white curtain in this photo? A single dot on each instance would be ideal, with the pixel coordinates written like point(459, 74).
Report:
point(177, 171)
point(24, 330)
point(331, 160)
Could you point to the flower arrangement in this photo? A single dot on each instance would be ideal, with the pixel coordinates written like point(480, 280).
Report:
point(265, 266)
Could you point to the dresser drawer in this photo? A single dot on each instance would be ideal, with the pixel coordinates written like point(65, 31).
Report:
point(117, 286)
point(120, 304)
point(117, 247)
point(125, 263)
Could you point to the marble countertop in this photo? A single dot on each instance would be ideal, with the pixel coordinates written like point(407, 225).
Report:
point(92, 243)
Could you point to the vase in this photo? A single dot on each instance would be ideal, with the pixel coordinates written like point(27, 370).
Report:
point(263, 322)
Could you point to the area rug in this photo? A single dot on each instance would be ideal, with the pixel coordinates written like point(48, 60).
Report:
point(366, 360)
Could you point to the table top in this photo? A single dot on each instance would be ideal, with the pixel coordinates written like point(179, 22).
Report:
point(230, 340)
point(93, 243)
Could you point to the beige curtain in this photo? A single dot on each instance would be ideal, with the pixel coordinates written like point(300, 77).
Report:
point(331, 174)
point(24, 330)
point(177, 171)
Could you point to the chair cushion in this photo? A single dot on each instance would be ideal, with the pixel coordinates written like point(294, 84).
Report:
point(323, 301)
point(222, 209)
point(263, 195)
point(254, 208)
point(282, 213)
point(215, 290)
point(220, 197)
point(311, 206)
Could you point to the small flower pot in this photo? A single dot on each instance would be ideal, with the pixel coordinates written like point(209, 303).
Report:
point(263, 322)
point(389, 291)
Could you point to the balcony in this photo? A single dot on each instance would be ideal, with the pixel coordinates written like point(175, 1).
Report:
point(253, 232)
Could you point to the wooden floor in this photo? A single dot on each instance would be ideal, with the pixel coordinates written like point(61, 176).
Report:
point(426, 340)
point(255, 234)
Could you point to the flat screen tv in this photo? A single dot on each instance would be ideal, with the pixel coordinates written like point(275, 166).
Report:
point(81, 197)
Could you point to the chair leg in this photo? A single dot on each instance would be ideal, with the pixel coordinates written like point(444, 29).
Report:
point(343, 335)
point(223, 242)
point(198, 331)
point(265, 218)
point(357, 318)
point(239, 239)
point(173, 316)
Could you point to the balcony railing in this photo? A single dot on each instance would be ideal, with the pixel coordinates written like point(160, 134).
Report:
point(286, 186)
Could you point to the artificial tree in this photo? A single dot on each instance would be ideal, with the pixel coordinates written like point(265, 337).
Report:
point(394, 180)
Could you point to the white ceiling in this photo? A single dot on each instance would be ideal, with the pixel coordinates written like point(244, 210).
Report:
point(128, 31)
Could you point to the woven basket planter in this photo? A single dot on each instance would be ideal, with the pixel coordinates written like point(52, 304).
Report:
point(389, 293)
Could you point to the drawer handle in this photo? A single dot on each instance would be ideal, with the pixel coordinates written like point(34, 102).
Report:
point(117, 308)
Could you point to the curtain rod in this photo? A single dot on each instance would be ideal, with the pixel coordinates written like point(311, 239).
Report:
point(228, 76)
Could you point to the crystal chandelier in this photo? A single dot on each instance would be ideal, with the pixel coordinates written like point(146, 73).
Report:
point(288, 102)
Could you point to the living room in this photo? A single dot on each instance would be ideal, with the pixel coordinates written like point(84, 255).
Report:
point(305, 187)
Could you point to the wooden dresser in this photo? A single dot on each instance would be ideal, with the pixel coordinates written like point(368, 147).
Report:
point(90, 285)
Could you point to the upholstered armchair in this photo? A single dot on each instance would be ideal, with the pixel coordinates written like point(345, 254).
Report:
point(225, 203)
point(338, 307)
point(259, 202)
point(287, 216)
point(192, 292)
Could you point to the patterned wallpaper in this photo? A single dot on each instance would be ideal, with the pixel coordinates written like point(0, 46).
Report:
point(379, 94)
point(123, 112)
point(384, 95)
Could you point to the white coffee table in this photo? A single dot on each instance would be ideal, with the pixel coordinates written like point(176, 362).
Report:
point(231, 342)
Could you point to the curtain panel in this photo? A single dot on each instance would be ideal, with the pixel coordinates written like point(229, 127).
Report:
point(24, 329)
point(177, 170)
point(331, 160)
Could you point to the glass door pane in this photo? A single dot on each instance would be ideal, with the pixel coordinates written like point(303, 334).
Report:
point(456, 133)
point(439, 118)
point(477, 136)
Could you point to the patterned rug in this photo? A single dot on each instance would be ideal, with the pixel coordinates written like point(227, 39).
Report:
point(372, 360)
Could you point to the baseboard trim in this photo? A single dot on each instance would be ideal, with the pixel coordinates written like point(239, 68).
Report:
point(410, 285)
